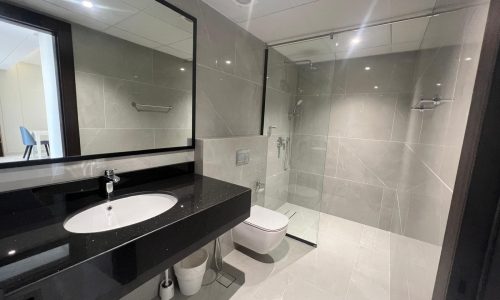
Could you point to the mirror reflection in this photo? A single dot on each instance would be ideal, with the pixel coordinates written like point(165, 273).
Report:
point(133, 74)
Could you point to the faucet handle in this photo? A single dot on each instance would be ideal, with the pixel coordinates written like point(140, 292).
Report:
point(109, 172)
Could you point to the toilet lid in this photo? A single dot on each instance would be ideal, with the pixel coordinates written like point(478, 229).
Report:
point(266, 219)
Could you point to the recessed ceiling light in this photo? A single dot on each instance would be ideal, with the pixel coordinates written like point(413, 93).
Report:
point(468, 58)
point(376, 87)
point(228, 62)
point(87, 4)
point(336, 44)
point(355, 41)
point(11, 252)
point(438, 84)
point(182, 69)
point(367, 68)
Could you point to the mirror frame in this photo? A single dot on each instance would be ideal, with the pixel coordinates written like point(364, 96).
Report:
point(63, 45)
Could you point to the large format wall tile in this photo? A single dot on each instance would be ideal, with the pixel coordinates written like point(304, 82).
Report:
point(313, 115)
point(119, 95)
point(351, 200)
point(309, 153)
point(305, 189)
point(95, 141)
point(89, 92)
point(389, 73)
point(278, 105)
point(99, 53)
point(235, 100)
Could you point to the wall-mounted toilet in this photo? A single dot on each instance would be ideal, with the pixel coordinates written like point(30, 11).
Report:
point(262, 231)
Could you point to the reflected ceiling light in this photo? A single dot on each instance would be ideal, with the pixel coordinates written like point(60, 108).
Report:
point(336, 44)
point(367, 68)
point(87, 4)
point(11, 252)
point(438, 84)
point(376, 87)
point(468, 58)
point(182, 69)
point(355, 41)
point(243, 2)
point(228, 62)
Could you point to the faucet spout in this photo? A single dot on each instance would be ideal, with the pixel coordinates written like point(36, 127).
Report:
point(111, 180)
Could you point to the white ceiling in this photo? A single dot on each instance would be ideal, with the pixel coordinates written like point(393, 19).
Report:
point(17, 44)
point(279, 20)
point(422, 33)
point(144, 22)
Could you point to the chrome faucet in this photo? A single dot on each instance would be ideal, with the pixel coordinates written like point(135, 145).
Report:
point(111, 180)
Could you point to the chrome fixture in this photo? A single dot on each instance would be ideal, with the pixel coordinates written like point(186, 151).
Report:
point(111, 180)
point(152, 108)
point(280, 143)
point(429, 104)
point(270, 130)
point(259, 186)
point(294, 112)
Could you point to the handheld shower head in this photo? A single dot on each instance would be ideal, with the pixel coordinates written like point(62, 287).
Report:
point(294, 112)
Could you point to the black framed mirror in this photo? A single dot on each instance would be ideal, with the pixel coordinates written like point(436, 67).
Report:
point(79, 80)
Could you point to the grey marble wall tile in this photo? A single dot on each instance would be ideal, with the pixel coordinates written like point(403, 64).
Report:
point(449, 165)
point(390, 73)
point(209, 123)
point(172, 72)
point(282, 74)
point(431, 155)
point(309, 153)
point(351, 200)
point(305, 189)
point(357, 164)
point(388, 209)
point(407, 122)
point(340, 114)
point(277, 190)
point(90, 100)
point(313, 115)
point(434, 124)
point(332, 157)
point(165, 138)
point(249, 62)
point(219, 161)
point(316, 79)
point(236, 101)
point(103, 54)
point(372, 115)
point(119, 95)
point(436, 72)
point(276, 159)
point(278, 106)
point(95, 141)
point(216, 40)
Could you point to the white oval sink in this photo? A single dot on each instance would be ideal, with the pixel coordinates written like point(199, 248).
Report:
point(120, 213)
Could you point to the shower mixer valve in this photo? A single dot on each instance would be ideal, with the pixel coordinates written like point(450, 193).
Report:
point(280, 144)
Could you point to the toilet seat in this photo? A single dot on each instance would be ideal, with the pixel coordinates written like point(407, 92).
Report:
point(266, 219)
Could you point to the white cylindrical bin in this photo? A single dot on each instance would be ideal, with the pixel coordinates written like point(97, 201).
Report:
point(190, 271)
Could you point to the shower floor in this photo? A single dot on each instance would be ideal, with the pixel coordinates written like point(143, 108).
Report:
point(304, 222)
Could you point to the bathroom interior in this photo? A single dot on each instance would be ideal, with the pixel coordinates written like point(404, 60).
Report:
point(232, 149)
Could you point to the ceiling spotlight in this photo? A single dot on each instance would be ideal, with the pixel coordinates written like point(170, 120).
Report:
point(468, 58)
point(355, 41)
point(376, 87)
point(11, 252)
point(228, 62)
point(438, 84)
point(243, 2)
point(87, 4)
point(367, 68)
point(336, 44)
point(182, 69)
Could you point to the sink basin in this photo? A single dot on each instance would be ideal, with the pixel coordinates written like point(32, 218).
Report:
point(120, 213)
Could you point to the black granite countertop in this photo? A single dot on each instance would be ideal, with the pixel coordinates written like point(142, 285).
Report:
point(34, 244)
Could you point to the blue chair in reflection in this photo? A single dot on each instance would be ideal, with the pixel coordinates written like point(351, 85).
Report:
point(29, 142)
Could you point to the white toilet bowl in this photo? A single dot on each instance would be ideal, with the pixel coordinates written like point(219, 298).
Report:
point(262, 231)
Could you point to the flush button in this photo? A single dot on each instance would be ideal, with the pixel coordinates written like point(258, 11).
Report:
point(242, 157)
